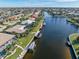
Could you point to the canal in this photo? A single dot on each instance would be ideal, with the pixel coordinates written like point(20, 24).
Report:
point(54, 34)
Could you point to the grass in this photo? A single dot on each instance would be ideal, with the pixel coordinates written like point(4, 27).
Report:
point(75, 45)
point(16, 54)
point(25, 40)
point(73, 22)
point(74, 36)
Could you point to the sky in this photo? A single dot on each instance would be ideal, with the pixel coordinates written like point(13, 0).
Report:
point(39, 3)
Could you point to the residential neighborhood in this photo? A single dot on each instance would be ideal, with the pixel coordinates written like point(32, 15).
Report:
point(16, 27)
point(23, 29)
point(39, 29)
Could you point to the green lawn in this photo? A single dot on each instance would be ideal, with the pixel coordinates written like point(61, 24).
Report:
point(16, 54)
point(73, 22)
point(25, 40)
point(74, 43)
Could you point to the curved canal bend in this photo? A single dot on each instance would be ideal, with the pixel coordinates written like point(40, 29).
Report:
point(52, 44)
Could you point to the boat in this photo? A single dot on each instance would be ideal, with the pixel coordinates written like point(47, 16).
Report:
point(38, 34)
point(68, 43)
point(44, 24)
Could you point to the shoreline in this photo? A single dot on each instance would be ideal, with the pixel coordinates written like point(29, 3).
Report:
point(73, 22)
point(71, 35)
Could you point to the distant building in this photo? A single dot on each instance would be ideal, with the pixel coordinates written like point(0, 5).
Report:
point(12, 18)
point(1, 19)
point(35, 14)
point(15, 17)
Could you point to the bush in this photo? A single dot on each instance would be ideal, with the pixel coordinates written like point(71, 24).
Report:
point(8, 47)
point(78, 38)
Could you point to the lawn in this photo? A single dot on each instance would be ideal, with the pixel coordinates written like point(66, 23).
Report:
point(16, 54)
point(73, 22)
point(74, 43)
point(25, 40)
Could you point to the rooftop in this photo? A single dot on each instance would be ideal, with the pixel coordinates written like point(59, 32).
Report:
point(27, 22)
point(5, 37)
point(17, 29)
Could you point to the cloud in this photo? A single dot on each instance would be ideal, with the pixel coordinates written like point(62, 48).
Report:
point(66, 0)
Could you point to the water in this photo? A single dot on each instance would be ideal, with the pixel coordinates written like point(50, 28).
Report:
point(52, 44)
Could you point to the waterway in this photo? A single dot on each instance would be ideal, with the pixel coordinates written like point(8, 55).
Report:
point(54, 34)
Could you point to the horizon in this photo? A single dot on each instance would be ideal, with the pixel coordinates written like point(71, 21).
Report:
point(36, 3)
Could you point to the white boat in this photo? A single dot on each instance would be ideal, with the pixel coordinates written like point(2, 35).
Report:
point(68, 43)
point(38, 34)
point(44, 23)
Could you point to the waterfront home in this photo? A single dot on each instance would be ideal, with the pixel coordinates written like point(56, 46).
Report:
point(6, 39)
point(73, 14)
point(32, 18)
point(27, 22)
point(35, 15)
point(17, 29)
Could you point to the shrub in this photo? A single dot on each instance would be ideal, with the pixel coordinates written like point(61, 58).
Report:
point(78, 38)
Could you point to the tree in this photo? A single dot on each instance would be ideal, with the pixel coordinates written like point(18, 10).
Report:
point(78, 38)
point(22, 18)
point(8, 47)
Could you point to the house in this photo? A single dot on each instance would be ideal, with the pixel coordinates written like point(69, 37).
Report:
point(17, 29)
point(2, 27)
point(27, 22)
point(1, 19)
point(35, 15)
point(15, 17)
point(6, 39)
point(12, 18)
